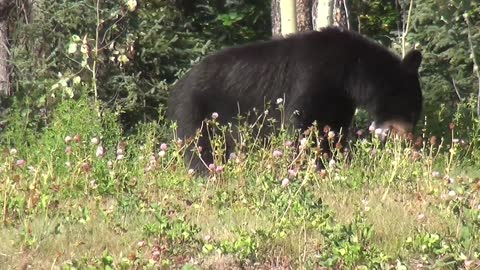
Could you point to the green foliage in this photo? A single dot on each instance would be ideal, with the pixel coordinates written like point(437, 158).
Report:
point(128, 57)
point(440, 29)
point(376, 18)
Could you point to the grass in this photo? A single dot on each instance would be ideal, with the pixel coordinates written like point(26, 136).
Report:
point(80, 196)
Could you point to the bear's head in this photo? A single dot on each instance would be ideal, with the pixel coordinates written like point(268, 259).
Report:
point(401, 104)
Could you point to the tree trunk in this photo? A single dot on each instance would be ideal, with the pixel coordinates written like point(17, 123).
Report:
point(322, 11)
point(340, 12)
point(276, 20)
point(310, 15)
point(5, 7)
point(304, 15)
point(330, 12)
point(288, 17)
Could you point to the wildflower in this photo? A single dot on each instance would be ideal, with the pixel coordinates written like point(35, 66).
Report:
point(232, 155)
point(452, 193)
point(303, 143)
point(191, 172)
point(100, 151)
point(68, 150)
point(68, 139)
point(292, 173)
point(164, 147)
point(77, 138)
point(21, 163)
point(285, 182)
point(214, 115)
point(331, 135)
point(279, 101)
point(359, 133)
point(13, 151)
point(199, 149)
point(93, 184)
point(436, 174)
point(219, 169)
point(288, 143)
point(326, 129)
point(421, 216)
point(331, 163)
point(94, 140)
point(141, 244)
point(120, 157)
point(161, 154)
point(131, 4)
point(120, 151)
point(277, 153)
point(68, 164)
point(338, 146)
point(211, 166)
point(86, 167)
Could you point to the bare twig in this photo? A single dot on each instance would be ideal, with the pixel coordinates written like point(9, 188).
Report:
point(475, 64)
point(406, 27)
point(456, 89)
point(347, 17)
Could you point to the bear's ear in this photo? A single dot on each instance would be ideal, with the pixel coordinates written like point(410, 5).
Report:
point(412, 60)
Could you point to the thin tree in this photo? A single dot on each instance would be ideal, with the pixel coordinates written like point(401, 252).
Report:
point(5, 8)
point(284, 20)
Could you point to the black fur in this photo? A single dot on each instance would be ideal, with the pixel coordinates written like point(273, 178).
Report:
point(323, 75)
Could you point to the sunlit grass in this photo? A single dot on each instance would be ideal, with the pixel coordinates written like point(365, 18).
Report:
point(78, 198)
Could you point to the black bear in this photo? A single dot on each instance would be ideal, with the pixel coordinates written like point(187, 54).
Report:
point(322, 76)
